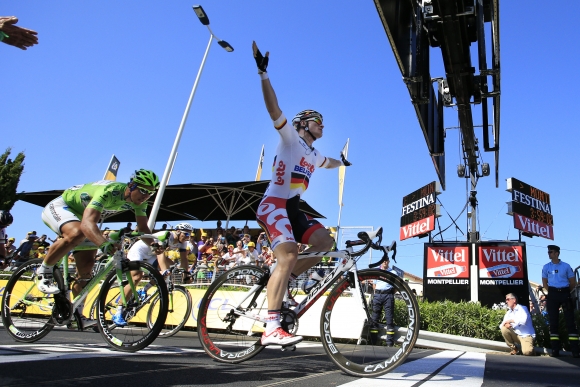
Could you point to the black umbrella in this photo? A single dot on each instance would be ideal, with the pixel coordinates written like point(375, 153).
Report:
point(213, 201)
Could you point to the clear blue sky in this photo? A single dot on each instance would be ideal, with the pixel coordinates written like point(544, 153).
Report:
point(114, 77)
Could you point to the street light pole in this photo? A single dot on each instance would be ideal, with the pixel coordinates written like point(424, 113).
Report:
point(202, 16)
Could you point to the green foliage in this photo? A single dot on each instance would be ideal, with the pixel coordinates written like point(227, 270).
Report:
point(10, 172)
point(473, 320)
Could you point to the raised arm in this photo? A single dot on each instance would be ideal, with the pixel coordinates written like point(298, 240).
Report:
point(267, 89)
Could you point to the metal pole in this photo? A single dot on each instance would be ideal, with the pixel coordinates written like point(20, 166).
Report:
point(168, 167)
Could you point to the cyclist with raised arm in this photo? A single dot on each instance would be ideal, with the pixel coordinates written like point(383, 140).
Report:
point(75, 216)
point(278, 213)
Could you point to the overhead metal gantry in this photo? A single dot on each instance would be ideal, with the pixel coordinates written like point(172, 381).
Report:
point(413, 26)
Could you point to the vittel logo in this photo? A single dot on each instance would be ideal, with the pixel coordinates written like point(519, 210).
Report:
point(451, 255)
point(498, 254)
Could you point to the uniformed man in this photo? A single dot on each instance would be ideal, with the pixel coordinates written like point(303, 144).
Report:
point(558, 278)
point(384, 298)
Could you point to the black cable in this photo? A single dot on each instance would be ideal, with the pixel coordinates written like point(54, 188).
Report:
point(453, 220)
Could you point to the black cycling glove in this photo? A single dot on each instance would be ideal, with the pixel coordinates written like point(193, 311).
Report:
point(261, 61)
point(344, 160)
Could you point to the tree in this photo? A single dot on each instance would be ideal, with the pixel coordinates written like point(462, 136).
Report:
point(10, 172)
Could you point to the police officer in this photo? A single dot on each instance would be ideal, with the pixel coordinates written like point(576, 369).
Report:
point(384, 298)
point(559, 278)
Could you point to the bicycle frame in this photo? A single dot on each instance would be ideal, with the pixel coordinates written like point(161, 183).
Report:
point(346, 264)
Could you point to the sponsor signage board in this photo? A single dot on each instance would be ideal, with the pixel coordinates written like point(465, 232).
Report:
point(417, 207)
point(502, 269)
point(446, 272)
point(531, 209)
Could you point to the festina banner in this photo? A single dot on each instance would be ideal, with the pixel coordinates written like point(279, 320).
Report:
point(446, 271)
point(531, 209)
point(419, 211)
point(502, 269)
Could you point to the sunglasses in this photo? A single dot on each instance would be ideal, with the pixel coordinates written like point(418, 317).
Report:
point(318, 120)
point(145, 191)
point(185, 233)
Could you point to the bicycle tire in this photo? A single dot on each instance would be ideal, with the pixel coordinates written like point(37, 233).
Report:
point(24, 321)
point(136, 335)
point(177, 314)
point(367, 355)
point(224, 336)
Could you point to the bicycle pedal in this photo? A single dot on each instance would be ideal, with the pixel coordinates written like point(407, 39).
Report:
point(291, 348)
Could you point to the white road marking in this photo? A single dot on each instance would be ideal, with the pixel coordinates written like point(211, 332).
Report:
point(38, 352)
point(466, 370)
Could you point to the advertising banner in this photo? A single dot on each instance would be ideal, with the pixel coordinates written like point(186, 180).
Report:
point(502, 269)
point(419, 211)
point(531, 209)
point(446, 271)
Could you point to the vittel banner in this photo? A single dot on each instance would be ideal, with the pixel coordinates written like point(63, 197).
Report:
point(446, 273)
point(419, 211)
point(502, 269)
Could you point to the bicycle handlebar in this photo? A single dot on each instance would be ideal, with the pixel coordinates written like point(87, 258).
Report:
point(385, 250)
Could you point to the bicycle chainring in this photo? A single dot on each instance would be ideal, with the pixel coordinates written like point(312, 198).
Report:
point(289, 321)
point(62, 312)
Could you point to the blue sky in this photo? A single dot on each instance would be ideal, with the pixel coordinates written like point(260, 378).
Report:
point(113, 78)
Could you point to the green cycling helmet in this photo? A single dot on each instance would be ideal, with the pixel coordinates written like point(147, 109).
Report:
point(146, 178)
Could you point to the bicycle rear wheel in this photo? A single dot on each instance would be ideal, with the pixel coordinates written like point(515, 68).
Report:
point(26, 311)
point(136, 334)
point(366, 354)
point(224, 335)
point(178, 313)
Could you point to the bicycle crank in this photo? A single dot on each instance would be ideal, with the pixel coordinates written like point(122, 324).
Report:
point(62, 312)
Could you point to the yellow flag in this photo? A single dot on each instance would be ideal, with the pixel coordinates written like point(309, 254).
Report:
point(111, 173)
point(260, 162)
point(341, 173)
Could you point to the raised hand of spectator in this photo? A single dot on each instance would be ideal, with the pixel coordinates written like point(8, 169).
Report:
point(16, 36)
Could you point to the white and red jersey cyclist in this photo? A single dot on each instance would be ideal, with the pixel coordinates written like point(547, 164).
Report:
point(278, 213)
point(293, 166)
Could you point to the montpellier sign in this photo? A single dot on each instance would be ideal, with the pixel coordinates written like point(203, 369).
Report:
point(419, 211)
point(531, 209)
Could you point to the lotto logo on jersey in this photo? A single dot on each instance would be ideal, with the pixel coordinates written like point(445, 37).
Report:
point(307, 165)
point(280, 172)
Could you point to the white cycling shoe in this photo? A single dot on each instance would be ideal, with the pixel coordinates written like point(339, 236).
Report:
point(45, 283)
point(280, 337)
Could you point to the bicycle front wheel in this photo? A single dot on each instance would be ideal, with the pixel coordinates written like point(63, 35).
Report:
point(355, 338)
point(26, 311)
point(177, 315)
point(137, 334)
point(225, 335)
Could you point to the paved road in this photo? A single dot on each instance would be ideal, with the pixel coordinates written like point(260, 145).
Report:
point(68, 358)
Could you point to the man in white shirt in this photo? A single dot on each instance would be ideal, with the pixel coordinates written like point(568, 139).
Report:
point(517, 328)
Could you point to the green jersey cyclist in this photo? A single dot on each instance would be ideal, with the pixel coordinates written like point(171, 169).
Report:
point(75, 216)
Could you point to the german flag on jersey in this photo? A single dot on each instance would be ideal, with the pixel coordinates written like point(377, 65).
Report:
point(299, 181)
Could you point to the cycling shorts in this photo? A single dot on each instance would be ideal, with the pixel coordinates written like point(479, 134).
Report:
point(283, 221)
point(141, 252)
point(56, 213)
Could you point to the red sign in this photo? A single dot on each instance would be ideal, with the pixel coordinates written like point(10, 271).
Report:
point(501, 262)
point(420, 227)
point(450, 262)
point(533, 227)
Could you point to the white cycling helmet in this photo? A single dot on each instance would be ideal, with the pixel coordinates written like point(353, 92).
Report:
point(184, 227)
